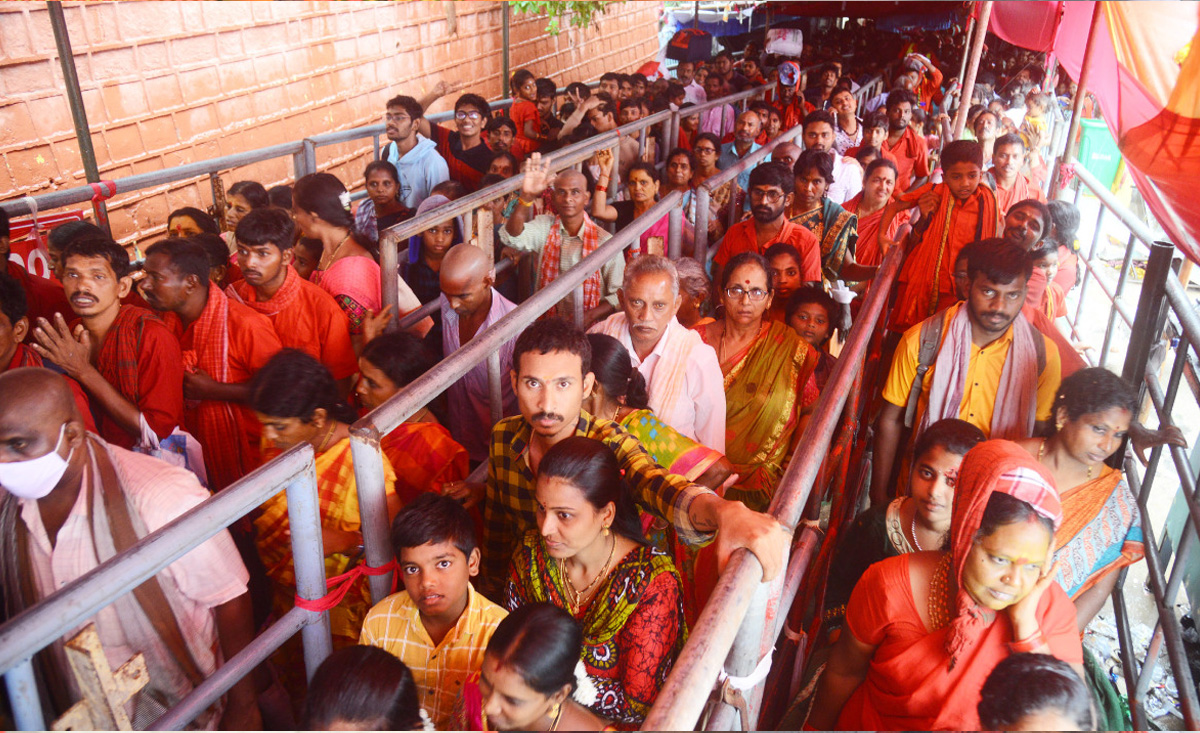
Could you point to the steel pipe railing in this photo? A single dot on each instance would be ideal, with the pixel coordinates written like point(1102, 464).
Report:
point(365, 434)
point(711, 643)
point(705, 190)
point(60, 612)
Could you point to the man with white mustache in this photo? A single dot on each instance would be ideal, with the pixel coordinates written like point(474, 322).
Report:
point(683, 376)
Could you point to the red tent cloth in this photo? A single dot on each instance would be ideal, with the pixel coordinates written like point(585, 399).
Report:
point(1148, 84)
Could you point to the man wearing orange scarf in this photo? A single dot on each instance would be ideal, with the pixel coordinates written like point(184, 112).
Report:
point(224, 343)
point(992, 369)
point(786, 99)
point(125, 358)
point(305, 317)
point(953, 214)
point(562, 241)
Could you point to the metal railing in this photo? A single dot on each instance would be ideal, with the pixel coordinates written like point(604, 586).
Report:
point(302, 152)
point(484, 347)
point(24, 635)
point(60, 612)
point(1162, 296)
point(392, 241)
point(743, 618)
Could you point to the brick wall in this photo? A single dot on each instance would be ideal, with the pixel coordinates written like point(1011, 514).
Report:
point(166, 83)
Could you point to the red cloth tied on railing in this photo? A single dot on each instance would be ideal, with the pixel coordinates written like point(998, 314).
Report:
point(101, 192)
point(339, 585)
point(1066, 172)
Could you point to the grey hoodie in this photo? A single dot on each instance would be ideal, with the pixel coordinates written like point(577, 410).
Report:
point(420, 170)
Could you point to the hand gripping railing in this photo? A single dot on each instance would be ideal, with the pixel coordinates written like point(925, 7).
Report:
point(1161, 292)
point(60, 612)
point(484, 347)
point(744, 616)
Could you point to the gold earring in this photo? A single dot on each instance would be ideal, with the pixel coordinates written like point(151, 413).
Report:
point(1058, 425)
point(606, 531)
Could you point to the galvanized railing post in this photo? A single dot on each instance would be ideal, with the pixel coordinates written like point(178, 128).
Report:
point(675, 234)
point(310, 155)
point(1149, 319)
point(1112, 314)
point(372, 506)
point(495, 387)
point(700, 199)
point(24, 698)
point(389, 270)
point(614, 180)
point(308, 556)
point(577, 301)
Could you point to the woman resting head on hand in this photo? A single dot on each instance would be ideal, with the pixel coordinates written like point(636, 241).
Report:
point(930, 626)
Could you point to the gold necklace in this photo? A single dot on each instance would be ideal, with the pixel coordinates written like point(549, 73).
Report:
point(617, 412)
point(579, 595)
point(328, 435)
point(939, 597)
point(326, 263)
point(1042, 452)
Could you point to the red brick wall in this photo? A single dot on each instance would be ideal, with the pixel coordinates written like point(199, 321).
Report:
point(166, 83)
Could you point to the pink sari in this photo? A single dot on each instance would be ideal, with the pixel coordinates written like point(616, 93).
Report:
point(354, 284)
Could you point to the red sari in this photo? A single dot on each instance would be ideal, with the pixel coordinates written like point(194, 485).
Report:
point(922, 679)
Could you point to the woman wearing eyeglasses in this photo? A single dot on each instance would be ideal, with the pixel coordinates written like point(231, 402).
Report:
point(766, 366)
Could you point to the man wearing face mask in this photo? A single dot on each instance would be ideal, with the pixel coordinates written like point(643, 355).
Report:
point(72, 501)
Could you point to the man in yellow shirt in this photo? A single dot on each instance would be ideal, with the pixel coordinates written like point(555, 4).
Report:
point(991, 367)
point(439, 625)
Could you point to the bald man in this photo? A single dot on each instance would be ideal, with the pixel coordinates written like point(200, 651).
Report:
point(44, 451)
point(470, 304)
point(786, 153)
point(561, 241)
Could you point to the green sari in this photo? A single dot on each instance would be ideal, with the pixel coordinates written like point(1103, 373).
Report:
point(668, 447)
point(837, 231)
point(763, 400)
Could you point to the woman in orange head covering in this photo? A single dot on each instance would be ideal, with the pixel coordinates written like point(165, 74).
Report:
point(923, 630)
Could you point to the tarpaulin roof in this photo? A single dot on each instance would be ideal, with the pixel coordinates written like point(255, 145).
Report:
point(864, 9)
point(1147, 80)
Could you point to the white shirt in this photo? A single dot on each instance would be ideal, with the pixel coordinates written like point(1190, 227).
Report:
point(847, 180)
point(701, 416)
point(694, 93)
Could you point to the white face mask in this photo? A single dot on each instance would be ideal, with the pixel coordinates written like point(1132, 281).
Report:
point(36, 477)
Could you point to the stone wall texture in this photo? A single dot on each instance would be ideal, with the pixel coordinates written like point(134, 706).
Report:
point(166, 83)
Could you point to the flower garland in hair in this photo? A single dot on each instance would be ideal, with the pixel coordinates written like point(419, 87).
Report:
point(344, 198)
point(585, 693)
point(426, 721)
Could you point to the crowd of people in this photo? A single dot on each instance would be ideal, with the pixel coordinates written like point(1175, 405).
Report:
point(637, 449)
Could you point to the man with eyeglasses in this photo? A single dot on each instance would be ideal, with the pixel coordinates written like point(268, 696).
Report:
point(414, 155)
point(467, 156)
point(562, 240)
point(772, 186)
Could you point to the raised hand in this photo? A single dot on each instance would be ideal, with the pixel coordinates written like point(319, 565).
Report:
point(537, 177)
point(604, 159)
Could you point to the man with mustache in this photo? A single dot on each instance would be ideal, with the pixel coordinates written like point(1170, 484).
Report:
point(771, 190)
point(126, 359)
point(992, 367)
point(683, 376)
point(551, 376)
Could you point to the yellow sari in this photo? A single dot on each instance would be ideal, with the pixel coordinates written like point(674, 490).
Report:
point(763, 401)
point(338, 496)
